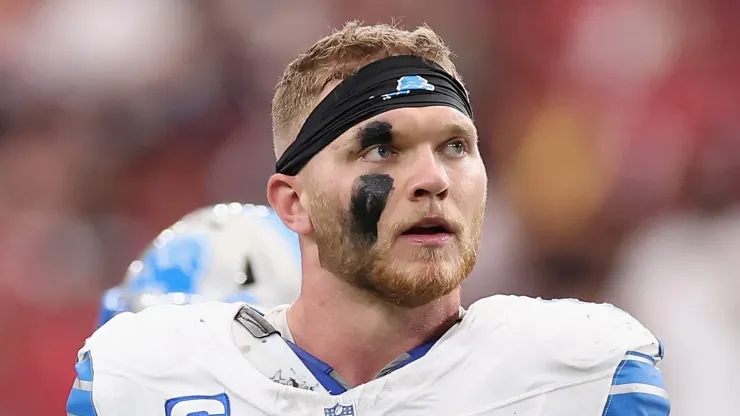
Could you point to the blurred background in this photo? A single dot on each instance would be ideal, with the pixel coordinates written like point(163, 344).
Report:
point(610, 129)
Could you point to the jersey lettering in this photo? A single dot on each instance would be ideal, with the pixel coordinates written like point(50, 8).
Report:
point(217, 405)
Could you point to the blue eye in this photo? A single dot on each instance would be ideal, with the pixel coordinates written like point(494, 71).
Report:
point(378, 153)
point(456, 148)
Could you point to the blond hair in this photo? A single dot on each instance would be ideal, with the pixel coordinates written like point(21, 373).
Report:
point(339, 56)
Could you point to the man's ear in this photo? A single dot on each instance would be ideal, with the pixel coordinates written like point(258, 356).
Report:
point(285, 200)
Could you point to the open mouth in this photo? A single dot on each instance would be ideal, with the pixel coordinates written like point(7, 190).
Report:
point(429, 227)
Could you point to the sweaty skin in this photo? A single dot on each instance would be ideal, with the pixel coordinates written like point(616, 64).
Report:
point(369, 196)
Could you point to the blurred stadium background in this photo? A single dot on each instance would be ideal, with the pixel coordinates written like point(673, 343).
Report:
point(611, 131)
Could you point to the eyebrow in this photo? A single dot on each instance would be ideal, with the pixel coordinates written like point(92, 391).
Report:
point(374, 133)
point(458, 129)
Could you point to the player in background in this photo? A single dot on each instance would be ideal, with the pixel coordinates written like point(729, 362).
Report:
point(380, 176)
point(228, 252)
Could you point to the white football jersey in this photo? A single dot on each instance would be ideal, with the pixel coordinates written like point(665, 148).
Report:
point(508, 356)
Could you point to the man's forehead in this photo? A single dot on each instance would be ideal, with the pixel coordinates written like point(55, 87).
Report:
point(409, 121)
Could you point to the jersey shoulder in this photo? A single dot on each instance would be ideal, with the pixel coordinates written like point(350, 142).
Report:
point(577, 334)
point(138, 363)
point(579, 357)
point(160, 339)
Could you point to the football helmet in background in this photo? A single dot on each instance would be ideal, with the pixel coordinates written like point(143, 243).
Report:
point(228, 252)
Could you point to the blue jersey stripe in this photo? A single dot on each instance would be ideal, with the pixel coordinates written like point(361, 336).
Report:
point(631, 371)
point(637, 404)
point(84, 368)
point(80, 403)
point(637, 388)
point(639, 354)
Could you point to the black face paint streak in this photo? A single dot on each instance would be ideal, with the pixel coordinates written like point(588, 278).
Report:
point(375, 133)
point(369, 196)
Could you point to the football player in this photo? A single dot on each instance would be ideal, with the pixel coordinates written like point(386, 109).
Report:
point(380, 176)
point(228, 252)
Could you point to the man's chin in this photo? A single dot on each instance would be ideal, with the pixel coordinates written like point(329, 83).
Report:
point(420, 292)
point(423, 273)
point(417, 255)
point(414, 282)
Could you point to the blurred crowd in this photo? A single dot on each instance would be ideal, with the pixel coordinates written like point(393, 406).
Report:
point(610, 130)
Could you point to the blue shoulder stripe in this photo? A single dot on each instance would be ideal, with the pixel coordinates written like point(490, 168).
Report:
point(84, 368)
point(645, 357)
point(637, 388)
point(634, 404)
point(80, 400)
point(80, 403)
point(631, 371)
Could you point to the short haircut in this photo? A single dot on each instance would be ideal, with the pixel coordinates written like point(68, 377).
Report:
point(339, 56)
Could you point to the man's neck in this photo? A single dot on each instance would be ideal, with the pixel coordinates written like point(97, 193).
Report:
point(357, 335)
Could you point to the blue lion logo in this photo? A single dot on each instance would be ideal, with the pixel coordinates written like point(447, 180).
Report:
point(409, 83)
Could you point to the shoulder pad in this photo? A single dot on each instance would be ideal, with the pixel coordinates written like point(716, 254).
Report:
point(157, 340)
point(570, 332)
point(255, 323)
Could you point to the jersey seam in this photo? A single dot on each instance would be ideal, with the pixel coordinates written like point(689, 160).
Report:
point(133, 380)
point(609, 398)
point(544, 390)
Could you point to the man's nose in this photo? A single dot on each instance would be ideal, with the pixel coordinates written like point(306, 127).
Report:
point(429, 178)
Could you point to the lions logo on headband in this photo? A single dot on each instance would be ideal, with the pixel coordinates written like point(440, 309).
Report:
point(409, 83)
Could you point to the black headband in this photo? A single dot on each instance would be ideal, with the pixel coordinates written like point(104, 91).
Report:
point(384, 85)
